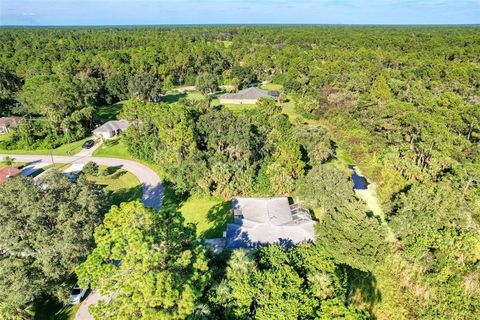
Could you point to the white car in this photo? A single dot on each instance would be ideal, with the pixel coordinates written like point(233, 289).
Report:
point(77, 294)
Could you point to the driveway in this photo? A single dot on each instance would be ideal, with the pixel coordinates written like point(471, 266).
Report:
point(151, 183)
point(93, 298)
point(89, 152)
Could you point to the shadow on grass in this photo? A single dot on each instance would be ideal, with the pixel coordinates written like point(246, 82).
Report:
point(107, 113)
point(219, 216)
point(172, 198)
point(125, 195)
point(51, 309)
point(363, 288)
point(173, 97)
point(113, 171)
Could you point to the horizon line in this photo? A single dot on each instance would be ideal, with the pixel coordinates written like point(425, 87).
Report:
point(236, 24)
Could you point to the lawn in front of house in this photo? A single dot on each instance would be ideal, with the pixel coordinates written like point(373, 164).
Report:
point(233, 107)
point(68, 149)
point(113, 149)
point(174, 96)
point(121, 185)
point(210, 215)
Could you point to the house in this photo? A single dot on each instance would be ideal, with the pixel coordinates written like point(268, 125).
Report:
point(8, 172)
point(110, 129)
point(264, 221)
point(247, 96)
point(8, 122)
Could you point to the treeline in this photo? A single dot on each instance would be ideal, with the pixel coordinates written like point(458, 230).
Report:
point(210, 150)
point(63, 75)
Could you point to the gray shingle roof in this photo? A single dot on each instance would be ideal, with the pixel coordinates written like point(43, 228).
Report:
point(247, 94)
point(268, 220)
point(112, 126)
point(10, 121)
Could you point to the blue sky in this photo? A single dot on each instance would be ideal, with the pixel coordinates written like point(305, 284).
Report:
point(134, 12)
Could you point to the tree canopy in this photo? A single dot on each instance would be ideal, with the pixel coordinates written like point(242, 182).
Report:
point(147, 263)
point(46, 232)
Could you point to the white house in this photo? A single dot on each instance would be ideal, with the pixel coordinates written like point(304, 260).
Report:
point(111, 129)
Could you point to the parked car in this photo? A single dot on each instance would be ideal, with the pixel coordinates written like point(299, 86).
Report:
point(88, 144)
point(77, 294)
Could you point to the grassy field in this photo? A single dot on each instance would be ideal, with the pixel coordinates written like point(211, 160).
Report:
point(113, 149)
point(111, 112)
point(68, 149)
point(208, 214)
point(121, 185)
point(173, 96)
point(272, 86)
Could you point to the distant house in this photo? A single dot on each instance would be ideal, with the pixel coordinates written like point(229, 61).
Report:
point(264, 221)
point(8, 122)
point(8, 172)
point(110, 129)
point(247, 96)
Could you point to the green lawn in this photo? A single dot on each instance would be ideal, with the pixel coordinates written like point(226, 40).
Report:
point(234, 107)
point(173, 96)
point(113, 149)
point(5, 136)
point(121, 185)
point(208, 214)
point(195, 95)
point(68, 149)
point(272, 86)
point(111, 112)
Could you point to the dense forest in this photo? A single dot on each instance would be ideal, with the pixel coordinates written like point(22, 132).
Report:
point(400, 103)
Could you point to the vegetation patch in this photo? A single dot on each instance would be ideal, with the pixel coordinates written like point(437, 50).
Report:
point(113, 149)
point(208, 214)
point(68, 149)
point(120, 185)
point(109, 112)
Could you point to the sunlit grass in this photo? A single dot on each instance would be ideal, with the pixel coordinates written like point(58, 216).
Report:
point(68, 149)
point(210, 215)
point(113, 149)
point(121, 185)
point(110, 112)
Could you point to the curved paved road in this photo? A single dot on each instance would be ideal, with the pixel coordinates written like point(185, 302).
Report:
point(151, 183)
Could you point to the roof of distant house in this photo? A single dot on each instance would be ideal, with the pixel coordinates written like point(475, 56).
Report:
point(248, 94)
point(10, 121)
point(263, 221)
point(8, 172)
point(113, 125)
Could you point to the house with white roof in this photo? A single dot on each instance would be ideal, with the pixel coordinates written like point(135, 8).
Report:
point(110, 129)
point(264, 221)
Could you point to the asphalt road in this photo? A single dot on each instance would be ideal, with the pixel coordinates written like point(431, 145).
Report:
point(151, 183)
